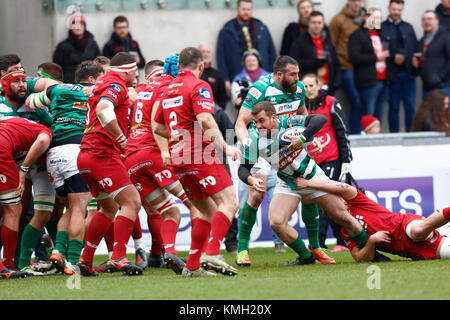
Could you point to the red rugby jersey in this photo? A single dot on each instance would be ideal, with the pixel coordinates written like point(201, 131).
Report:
point(18, 134)
point(96, 139)
point(183, 99)
point(141, 135)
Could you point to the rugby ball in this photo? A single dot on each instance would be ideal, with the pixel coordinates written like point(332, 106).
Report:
point(294, 132)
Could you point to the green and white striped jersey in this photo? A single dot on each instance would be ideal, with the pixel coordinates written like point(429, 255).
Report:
point(288, 164)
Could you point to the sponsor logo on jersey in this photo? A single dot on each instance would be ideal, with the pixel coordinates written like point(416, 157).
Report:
point(116, 87)
point(173, 102)
point(284, 162)
point(206, 105)
point(80, 106)
point(255, 93)
point(289, 107)
point(144, 96)
point(204, 93)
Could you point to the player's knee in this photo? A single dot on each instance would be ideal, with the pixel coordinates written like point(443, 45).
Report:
point(255, 198)
point(418, 231)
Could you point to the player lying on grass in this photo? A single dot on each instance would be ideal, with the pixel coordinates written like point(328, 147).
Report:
point(407, 235)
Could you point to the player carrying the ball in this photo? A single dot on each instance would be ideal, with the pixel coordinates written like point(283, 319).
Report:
point(291, 162)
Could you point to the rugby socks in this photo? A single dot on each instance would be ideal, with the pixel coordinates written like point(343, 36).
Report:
point(109, 238)
point(123, 227)
point(137, 230)
point(360, 238)
point(154, 223)
point(219, 228)
point(300, 248)
point(62, 242)
point(97, 229)
point(446, 213)
point(199, 236)
point(9, 239)
point(169, 231)
point(247, 219)
point(310, 216)
point(74, 251)
point(30, 239)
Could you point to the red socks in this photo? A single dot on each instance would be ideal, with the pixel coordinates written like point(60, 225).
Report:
point(137, 231)
point(199, 236)
point(219, 228)
point(446, 213)
point(97, 229)
point(154, 223)
point(123, 227)
point(169, 231)
point(9, 240)
point(109, 238)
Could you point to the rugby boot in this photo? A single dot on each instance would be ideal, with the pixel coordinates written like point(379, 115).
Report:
point(299, 262)
point(86, 269)
point(124, 265)
point(141, 259)
point(242, 259)
point(174, 262)
point(200, 272)
point(218, 264)
point(320, 255)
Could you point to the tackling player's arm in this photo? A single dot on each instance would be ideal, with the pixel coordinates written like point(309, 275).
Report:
point(367, 253)
point(40, 100)
point(346, 191)
point(246, 177)
point(313, 124)
point(43, 83)
point(37, 149)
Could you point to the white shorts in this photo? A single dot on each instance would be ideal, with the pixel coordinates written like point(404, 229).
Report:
point(262, 166)
point(283, 188)
point(62, 163)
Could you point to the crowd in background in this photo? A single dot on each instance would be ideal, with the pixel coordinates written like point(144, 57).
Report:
point(374, 59)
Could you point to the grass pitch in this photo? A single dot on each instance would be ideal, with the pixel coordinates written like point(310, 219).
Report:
point(266, 279)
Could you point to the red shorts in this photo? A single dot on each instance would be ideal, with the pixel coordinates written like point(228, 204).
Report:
point(419, 250)
point(9, 175)
point(102, 174)
point(147, 172)
point(203, 180)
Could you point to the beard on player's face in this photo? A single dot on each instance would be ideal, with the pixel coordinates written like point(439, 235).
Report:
point(19, 96)
point(287, 86)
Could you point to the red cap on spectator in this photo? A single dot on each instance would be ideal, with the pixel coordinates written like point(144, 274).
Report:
point(77, 18)
point(368, 121)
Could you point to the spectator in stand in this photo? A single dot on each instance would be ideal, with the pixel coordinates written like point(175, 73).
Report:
point(402, 42)
point(251, 73)
point(341, 27)
point(370, 125)
point(121, 41)
point(79, 46)
point(315, 53)
point(443, 12)
point(239, 35)
point(213, 77)
point(336, 155)
point(433, 55)
point(368, 56)
point(433, 114)
point(295, 29)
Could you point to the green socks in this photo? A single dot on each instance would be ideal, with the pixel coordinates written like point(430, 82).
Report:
point(247, 219)
point(310, 216)
point(299, 247)
point(62, 242)
point(360, 238)
point(30, 239)
point(74, 251)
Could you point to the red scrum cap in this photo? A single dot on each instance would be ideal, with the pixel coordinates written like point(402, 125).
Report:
point(9, 77)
